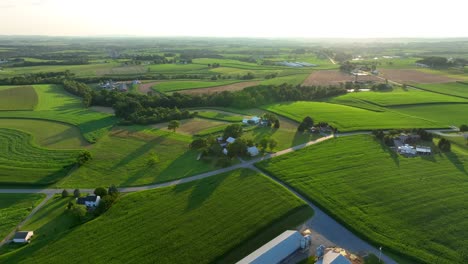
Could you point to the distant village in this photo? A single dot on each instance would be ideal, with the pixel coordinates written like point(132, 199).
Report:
point(118, 86)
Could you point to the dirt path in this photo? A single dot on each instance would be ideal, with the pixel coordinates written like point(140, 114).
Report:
point(144, 88)
point(18, 227)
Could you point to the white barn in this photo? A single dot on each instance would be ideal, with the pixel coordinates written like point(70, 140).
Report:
point(253, 151)
point(23, 236)
point(276, 250)
point(89, 201)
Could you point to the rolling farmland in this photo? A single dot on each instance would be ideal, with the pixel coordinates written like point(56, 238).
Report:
point(18, 98)
point(457, 89)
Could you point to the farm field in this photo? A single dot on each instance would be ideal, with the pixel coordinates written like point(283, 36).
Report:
point(295, 79)
point(21, 162)
point(48, 134)
point(55, 104)
point(400, 203)
point(219, 115)
point(187, 85)
point(18, 98)
point(128, 164)
point(445, 114)
point(333, 77)
point(413, 76)
point(14, 208)
point(241, 202)
point(229, 87)
point(194, 126)
point(400, 96)
point(457, 89)
point(347, 118)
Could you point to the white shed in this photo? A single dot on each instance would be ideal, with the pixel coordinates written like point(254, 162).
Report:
point(23, 236)
point(225, 151)
point(89, 201)
point(230, 140)
point(276, 250)
point(253, 151)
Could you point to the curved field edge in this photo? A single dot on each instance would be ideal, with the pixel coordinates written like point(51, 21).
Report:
point(221, 218)
point(349, 206)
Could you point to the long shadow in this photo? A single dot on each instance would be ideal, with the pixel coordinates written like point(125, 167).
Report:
point(456, 162)
point(139, 151)
point(391, 153)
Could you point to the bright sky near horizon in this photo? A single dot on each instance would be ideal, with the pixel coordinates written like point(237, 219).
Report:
point(236, 18)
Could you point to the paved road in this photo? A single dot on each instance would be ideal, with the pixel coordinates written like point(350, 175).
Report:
point(33, 211)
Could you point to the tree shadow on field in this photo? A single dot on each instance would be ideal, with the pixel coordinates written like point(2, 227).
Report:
point(393, 154)
point(453, 158)
point(139, 151)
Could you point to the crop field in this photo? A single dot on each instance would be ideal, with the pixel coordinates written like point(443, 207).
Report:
point(400, 97)
point(334, 77)
point(48, 134)
point(347, 118)
point(406, 204)
point(187, 85)
point(445, 114)
point(18, 98)
point(21, 162)
point(122, 158)
point(229, 87)
point(175, 68)
point(194, 126)
point(296, 79)
point(414, 76)
point(205, 213)
point(144, 88)
point(54, 103)
point(14, 208)
point(457, 89)
point(218, 115)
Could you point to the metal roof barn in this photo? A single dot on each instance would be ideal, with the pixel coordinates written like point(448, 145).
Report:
point(276, 250)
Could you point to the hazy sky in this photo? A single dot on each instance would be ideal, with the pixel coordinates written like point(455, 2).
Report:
point(234, 18)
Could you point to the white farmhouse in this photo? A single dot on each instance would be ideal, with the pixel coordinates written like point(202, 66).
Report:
point(89, 201)
point(23, 236)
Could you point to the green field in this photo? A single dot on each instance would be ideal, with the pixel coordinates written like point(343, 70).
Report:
point(48, 134)
point(54, 103)
point(218, 219)
point(400, 96)
point(185, 85)
point(347, 118)
point(121, 158)
point(291, 79)
point(14, 208)
point(444, 114)
point(415, 206)
point(18, 98)
point(219, 115)
point(22, 162)
point(457, 89)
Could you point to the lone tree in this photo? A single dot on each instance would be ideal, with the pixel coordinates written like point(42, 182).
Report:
point(272, 144)
point(199, 143)
point(444, 145)
point(100, 191)
point(113, 190)
point(238, 148)
point(173, 125)
point(65, 193)
point(83, 157)
point(264, 143)
point(76, 193)
point(306, 123)
point(277, 124)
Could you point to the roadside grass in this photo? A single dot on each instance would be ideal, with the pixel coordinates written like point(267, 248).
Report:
point(56, 104)
point(14, 208)
point(22, 162)
point(400, 96)
point(408, 205)
point(218, 219)
point(457, 89)
point(48, 134)
point(185, 85)
point(122, 158)
point(18, 98)
point(347, 118)
point(444, 114)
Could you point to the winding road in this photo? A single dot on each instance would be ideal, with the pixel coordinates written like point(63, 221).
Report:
point(324, 228)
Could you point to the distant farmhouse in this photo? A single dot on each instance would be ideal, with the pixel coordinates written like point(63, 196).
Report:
point(23, 236)
point(405, 145)
point(89, 201)
point(118, 86)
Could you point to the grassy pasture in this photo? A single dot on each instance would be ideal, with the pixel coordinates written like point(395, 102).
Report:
point(444, 114)
point(457, 89)
point(14, 208)
point(415, 206)
point(291, 79)
point(347, 118)
point(219, 115)
point(18, 98)
point(121, 158)
point(194, 126)
point(175, 68)
point(48, 134)
point(400, 96)
point(221, 219)
point(22, 162)
point(54, 103)
point(185, 85)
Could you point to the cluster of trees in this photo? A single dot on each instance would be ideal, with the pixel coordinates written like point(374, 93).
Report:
point(37, 78)
point(248, 76)
point(381, 87)
point(79, 89)
point(271, 75)
point(74, 61)
point(83, 157)
point(435, 62)
point(387, 139)
point(214, 65)
point(444, 145)
point(272, 120)
point(306, 124)
point(463, 128)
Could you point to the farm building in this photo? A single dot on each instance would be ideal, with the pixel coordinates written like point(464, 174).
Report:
point(23, 236)
point(230, 140)
point(332, 257)
point(89, 201)
point(422, 150)
point(277, 249)
point(225, 151)
point(254, 120)
point(253, 151)
point(407, 149)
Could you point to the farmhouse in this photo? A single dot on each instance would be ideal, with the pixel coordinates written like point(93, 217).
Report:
point(253, 151)
point(277, 249)
point(230, 140)
point(254, 120)
point(422, 150)
point(332, 257)
point(407, 150)
point(89, 201)
point(23, 236)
